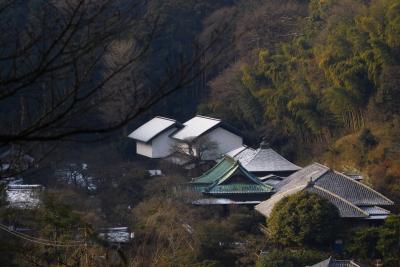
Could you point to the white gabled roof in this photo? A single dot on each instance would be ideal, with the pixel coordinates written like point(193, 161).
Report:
point(152, 128)
point(195, 127)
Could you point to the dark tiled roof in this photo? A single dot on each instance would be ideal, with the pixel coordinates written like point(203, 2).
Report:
point(352, 198)
point(268, 160)
point(264, 159)
point(346, 209)
point(243, 154)
point(351, 190)
point(331, 262)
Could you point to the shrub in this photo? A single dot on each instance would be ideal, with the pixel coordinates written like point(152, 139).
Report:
point(304, 219)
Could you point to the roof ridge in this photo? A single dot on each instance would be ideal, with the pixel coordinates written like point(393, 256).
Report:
point(319, 164)
point(322, 174)
point(244, 147)
point(206, 117)
point(339, 197)
point(355, 263)
point(365, 186)
point(165, 118)
point(213, 168)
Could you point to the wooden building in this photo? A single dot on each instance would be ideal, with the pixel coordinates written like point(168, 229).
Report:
point(353, 199)
point(228, 182)
point(332, 262)
point(263, 161)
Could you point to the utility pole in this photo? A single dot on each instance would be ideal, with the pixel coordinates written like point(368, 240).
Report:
point(86, 248)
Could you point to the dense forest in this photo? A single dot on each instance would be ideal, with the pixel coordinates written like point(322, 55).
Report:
point(318, 79)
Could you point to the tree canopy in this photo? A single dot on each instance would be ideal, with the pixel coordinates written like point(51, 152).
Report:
point(304, 219)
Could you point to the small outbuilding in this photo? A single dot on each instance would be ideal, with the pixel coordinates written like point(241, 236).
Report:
point(153, 138)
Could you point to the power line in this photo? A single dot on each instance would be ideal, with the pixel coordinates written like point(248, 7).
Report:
point(45, 242)
point(36, 238)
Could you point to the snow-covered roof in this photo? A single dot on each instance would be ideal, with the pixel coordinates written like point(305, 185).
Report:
point(116, 234)
point(155, 172)
point(222, 201)
point(195, 127)
point(23, 196)
point(152, 128)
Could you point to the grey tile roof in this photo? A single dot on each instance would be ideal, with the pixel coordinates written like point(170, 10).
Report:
point(331, 262)
point(243, 154)
point(348, 195)
point(268, 160)
point(351, 190)
point(374, 210)
point(346, 209)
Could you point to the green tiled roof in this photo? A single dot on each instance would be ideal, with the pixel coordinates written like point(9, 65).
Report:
point(217, 180)
point(238, 188)
point(216, 172)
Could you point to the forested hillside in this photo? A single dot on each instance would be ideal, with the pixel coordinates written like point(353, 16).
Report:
point(320, 79)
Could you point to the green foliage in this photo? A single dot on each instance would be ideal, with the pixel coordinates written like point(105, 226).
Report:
point(363, 243)
point(214, 239)
point(381, 242)
point(290, 258)
point(304, 219)
point(389, 241)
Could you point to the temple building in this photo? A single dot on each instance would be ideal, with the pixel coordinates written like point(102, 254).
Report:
point(264, 161)
point(228, 182)
point(332, 262)
point(353, 199)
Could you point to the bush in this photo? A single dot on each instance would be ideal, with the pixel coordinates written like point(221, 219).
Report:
point(304, 219)
point(363, 243)
point(378, 242)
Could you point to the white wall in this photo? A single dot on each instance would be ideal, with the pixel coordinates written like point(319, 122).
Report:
point(144, 149)
point(226, 140)
point(162, 144)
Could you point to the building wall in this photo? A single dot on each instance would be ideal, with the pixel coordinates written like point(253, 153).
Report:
point(162, 144)
point(226, 140)
point(144, 149)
